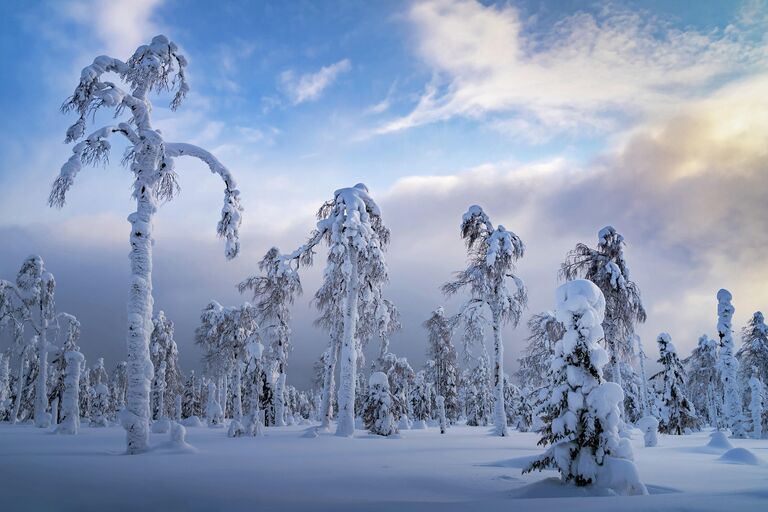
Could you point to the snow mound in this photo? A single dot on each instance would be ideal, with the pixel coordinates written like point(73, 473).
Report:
point(177, 441)
point(161, 426)
point(419, 425)
point(378, 379)
point(741, 456)
point(719, 440)
point(310, 433)
point(404, 423)
point(192, 421)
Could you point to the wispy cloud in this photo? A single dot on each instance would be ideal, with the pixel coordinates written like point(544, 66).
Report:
point(586, 70)
point(310, 86)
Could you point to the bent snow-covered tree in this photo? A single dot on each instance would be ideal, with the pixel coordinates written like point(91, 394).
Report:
point(582, 416)
point(607, 268)
point(158, 67)
point(493, 252)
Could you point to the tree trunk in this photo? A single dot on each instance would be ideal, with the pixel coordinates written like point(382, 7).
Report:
point(19, 387)
point(42, 418)
point(135, 417)
point(280, 400)
point(348, 375)
point(329, 385)
point(238, 398)
point(499, 414)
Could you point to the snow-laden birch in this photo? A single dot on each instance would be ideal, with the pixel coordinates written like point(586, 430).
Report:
point(157, 67)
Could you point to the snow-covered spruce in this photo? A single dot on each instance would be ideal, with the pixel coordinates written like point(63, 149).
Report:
point(607, 268)
point(152, 162)
point(164, 352)
point(479, 395)
point(676, 413)
point(493, 252)
point(757, 405)
point(273, 294)
point(378, 416)
point(704, 385)
point(444, 370)
point(729, 366)
point(350, 302)
point(582, 417)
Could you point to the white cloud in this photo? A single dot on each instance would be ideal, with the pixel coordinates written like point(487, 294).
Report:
point(121, 26)
point(310, 86)
point(584, 70)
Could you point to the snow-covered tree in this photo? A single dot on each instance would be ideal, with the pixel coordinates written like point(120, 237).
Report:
point(99, 406)
point(443, 371)
point(163, 351)
point(255, 376)
point(534, 366)
point(157, 66)
point(757, 405)
point(753, 354)
point(703, 384)
point(401, 377)
point(479, 394)
point(583, 415)
point(493, 252)
point(5, 379)
point(273, 294)
point(607, 268)
point(33, 295)
point(378, 416)
point(350, 302)
point(421, 400)
point(214, 415)
point(118, 384)
point(676, 413)
point(728, 365)
point(69, 422)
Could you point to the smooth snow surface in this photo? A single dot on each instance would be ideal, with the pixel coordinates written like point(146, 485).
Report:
point(421, 470)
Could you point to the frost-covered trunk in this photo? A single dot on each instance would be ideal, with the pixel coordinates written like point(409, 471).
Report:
point(643, 378)
point(280, 400)
point(712, 404)
point(42, 418)
point(238, 398)
point(70, 399)
point(499, 414)
point(329, 386)
point(135, 416)
point(348, 374)
point(19, 387)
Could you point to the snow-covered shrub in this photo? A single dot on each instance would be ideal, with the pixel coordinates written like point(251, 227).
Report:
point(650, 427)
point(378, 416)
point(582, 417)
point(676, 413)
point(493, 252)
point(157, 66)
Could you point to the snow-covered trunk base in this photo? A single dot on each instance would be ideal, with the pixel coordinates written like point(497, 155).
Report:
point(135, 415)
point(42, 418)
point(329, 385)
point(440, 401)
point(280, 401)
point(348, 376)
point(499, 413)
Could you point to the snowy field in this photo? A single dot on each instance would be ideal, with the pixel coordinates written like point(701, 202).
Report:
point(466, 469)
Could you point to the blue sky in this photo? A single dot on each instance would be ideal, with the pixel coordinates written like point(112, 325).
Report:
point(559, 117)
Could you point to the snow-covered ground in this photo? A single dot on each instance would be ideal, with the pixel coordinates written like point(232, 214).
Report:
point(466, 469)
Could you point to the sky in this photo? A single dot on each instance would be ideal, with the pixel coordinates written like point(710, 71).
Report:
point(558, 117)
